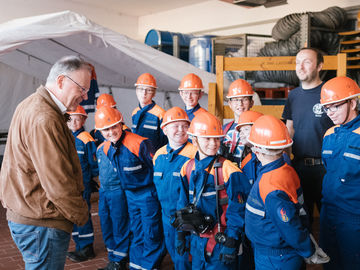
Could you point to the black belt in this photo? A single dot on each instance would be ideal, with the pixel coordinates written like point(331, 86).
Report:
point(311, 161)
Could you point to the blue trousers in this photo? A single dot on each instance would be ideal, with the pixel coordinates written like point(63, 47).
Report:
point(84, 235)
point(147, 247)
point(42, 248)
point(202, 261)
point(340, 239)
point(280, 261)
point(180, 262)
point(114, 220)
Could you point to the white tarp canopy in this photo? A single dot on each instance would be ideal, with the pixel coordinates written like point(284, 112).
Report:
point(30, 46)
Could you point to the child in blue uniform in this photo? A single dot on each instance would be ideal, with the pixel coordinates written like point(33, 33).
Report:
point(113, 212)
point(168, 161)
point(191, 91)
point(222, 199)
point(147, 117)
point(86, 149)
point(340, 212)
point(103, 100)
point(131, 155)
point(240, 96)
point(276, 221)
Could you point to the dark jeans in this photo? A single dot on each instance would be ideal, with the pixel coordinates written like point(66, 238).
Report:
point(311, 178)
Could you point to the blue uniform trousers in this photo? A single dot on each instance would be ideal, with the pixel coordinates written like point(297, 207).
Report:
point(147, 247)
point(180, 262)
point(276, 259)
point(114, 220)
point(202, 261)
point(340, 239)
point(84, 235)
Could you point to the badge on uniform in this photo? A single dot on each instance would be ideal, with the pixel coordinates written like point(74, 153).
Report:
point(283, 213)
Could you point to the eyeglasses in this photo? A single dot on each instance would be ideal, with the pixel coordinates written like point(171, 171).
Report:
point(84, 90)
point(333, 108)
point(240, 100)
point(146, 90)
point(193, 94)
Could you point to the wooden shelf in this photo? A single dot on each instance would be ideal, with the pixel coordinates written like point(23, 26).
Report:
point(350, 33)
point(353, 67)
point(351, 50)
point(354, 58)
point(350, 42)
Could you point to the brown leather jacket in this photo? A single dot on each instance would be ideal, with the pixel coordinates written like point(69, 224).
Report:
point(41, 179)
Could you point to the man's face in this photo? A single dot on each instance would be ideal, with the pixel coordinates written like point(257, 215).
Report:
point(191, 97)
point(177, 132)
point(113, 133)
point(307, 69)
point(72, 87)
point(76, 122)
point(145, 94)
point(240, 104)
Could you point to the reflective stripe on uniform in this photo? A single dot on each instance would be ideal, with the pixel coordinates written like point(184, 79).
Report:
point(255, 211)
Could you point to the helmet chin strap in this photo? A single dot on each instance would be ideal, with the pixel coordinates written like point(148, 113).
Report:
point(198, 146)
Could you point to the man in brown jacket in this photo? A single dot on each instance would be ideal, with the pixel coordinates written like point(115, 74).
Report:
point(41, 180)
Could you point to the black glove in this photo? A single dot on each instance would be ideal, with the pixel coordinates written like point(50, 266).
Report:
point(180, 243)
point(228, 252)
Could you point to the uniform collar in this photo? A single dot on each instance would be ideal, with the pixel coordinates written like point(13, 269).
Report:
point(76, 133)
point(271, 166)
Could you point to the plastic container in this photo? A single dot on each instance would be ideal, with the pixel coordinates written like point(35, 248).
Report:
point(200, 52)
point(163, 41)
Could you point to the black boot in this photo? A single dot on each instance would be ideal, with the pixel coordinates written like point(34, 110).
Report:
point(115, 266)
point(82, 255)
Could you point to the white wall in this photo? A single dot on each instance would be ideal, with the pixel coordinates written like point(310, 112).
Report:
point(220, 18)
point(211, 17)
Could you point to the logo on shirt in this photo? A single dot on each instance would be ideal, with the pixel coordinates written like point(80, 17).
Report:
point(317, 110)
point(283, 214)
point(240, 198)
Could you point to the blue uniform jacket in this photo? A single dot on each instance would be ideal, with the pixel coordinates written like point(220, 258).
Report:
point(86, 149)
point(132, 157)
point(250, 165)
point(341, 156)
point(237, 189)
point(275, 215)
point(108, 177)
point(167, 166)
point(194, 111)
point(146, 122)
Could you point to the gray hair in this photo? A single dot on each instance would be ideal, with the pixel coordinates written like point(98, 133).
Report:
point(65, 66)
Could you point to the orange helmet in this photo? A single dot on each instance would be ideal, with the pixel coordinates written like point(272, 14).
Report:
point(146, 79)
point(106, 117)
point(191, 82)
point(205, 125)
point(173, 115)
point(248, 118)
point(338, 89)
point(79, 110)
point(105, 100)
point(270, 133)
point(240, 88)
